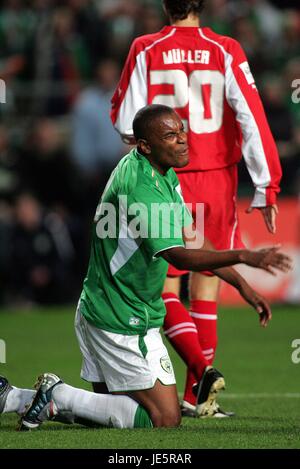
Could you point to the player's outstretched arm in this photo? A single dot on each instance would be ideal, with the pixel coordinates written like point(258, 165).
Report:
point(258, 302)
point(269, 259)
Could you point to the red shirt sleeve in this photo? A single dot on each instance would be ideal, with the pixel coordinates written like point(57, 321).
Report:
point(258, 146)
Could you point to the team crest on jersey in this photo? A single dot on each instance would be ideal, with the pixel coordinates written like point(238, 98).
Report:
point(166, 365)
point(134, 321)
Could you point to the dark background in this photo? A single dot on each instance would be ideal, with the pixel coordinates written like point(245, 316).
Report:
point(60, 61)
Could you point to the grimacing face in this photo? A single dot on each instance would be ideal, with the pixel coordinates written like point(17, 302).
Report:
point(166, 143)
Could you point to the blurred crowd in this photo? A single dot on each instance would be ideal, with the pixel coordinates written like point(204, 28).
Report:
point(60, 61)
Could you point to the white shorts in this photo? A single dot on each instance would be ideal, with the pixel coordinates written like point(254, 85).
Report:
point(123, 362)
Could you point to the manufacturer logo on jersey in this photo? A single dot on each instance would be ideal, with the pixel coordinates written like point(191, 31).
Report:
point(166, 365)
point(247, 72)
point(134, 321)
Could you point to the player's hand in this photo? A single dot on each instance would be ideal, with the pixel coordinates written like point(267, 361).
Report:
point(258, 302)
point(269, 214)
point(269, 259)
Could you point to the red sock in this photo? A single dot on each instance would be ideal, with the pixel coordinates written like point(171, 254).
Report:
point(181, 331)
point(188, 395)
point(204, 314)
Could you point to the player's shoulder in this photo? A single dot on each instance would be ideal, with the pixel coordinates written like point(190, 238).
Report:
point(126, 173)
point(141, 43)
point(229, 44)
point(130, 176)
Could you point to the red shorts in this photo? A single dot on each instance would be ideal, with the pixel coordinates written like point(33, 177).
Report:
point(217, 190)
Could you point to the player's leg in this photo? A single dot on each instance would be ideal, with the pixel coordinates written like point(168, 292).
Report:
point(53, 398)
point(13, 399)
point(161, 403)
point(221, 227)
point(135, 364)
point(69, 417)
point(203, 383)
point(138, 365)
point(203, 291)
point(160, 400)
point(158, 406)
point(91, 371)
point(180, 328)
point(17, 400)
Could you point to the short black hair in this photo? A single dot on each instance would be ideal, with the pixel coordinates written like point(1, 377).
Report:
point(180, 9)
point(145, 117)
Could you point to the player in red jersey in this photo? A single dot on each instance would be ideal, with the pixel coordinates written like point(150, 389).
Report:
point(206, 78)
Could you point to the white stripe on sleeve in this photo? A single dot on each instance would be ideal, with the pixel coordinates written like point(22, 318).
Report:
point(135, 97)
point(252, 147)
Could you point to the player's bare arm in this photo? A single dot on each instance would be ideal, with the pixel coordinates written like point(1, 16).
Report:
point(231, 276)
point(269, 259)
point(258, 302)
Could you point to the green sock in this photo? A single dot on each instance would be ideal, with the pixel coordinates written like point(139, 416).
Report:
point(142, 418)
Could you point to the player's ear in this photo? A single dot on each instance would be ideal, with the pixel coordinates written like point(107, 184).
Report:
point(144, 146)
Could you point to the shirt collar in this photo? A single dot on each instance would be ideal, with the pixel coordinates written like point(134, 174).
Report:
point(147, 167)
point(189, 30)
point(157, 179)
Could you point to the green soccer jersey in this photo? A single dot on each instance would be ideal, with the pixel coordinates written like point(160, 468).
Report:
point(140, 214)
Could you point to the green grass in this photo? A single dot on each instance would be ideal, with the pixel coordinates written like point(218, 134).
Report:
point(263, 385)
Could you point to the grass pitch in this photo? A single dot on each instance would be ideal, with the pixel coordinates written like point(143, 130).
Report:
point(263, 384)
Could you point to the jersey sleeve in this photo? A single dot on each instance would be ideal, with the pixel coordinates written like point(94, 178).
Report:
point(131, 91)
point(159, 222)
point(258, 146)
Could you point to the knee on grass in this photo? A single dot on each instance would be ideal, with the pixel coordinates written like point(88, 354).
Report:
point(166, 419)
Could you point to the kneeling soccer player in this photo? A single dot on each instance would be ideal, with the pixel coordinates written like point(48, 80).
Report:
point(120, 310)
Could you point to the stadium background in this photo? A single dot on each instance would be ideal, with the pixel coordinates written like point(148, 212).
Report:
point(60, 61)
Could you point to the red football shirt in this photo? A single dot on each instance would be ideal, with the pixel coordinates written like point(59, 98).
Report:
point(206, 78)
